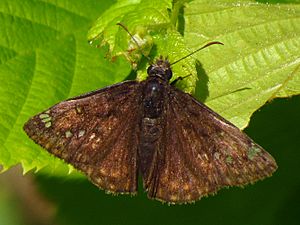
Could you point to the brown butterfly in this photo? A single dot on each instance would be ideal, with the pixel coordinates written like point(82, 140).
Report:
point(182, 149)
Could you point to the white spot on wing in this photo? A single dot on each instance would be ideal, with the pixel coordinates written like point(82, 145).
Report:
point(81, 133)
point(92, 136)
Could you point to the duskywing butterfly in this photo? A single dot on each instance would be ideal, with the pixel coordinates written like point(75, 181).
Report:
point(182, 149)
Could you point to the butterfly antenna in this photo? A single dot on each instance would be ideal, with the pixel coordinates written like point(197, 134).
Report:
point(208, 44)
point(135, 41)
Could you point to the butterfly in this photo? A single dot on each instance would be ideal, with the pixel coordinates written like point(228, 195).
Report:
point(182, 149)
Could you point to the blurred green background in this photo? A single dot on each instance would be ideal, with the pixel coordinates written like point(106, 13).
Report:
point(39, 199)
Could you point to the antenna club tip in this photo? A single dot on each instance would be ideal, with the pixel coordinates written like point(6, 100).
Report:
point(220, 43)
point(213, 43)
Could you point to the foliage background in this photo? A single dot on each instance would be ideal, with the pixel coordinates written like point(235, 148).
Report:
point(34, 36)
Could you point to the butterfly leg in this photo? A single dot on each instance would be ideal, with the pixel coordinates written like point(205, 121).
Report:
point(178, 79)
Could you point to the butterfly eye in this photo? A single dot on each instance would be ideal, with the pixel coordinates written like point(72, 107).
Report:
point(169, 74)
point(150, 70)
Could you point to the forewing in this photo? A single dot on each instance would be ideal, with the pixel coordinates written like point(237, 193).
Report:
point(96, 133)
point(202, 152)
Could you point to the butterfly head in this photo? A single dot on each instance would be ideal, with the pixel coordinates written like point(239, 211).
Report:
point(161, 68)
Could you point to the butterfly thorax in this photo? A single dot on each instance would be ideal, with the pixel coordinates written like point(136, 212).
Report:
point(153, 98)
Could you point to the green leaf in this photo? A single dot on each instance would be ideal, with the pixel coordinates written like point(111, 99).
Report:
point(132, 13)
point(259, 61)
point(45, 57)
